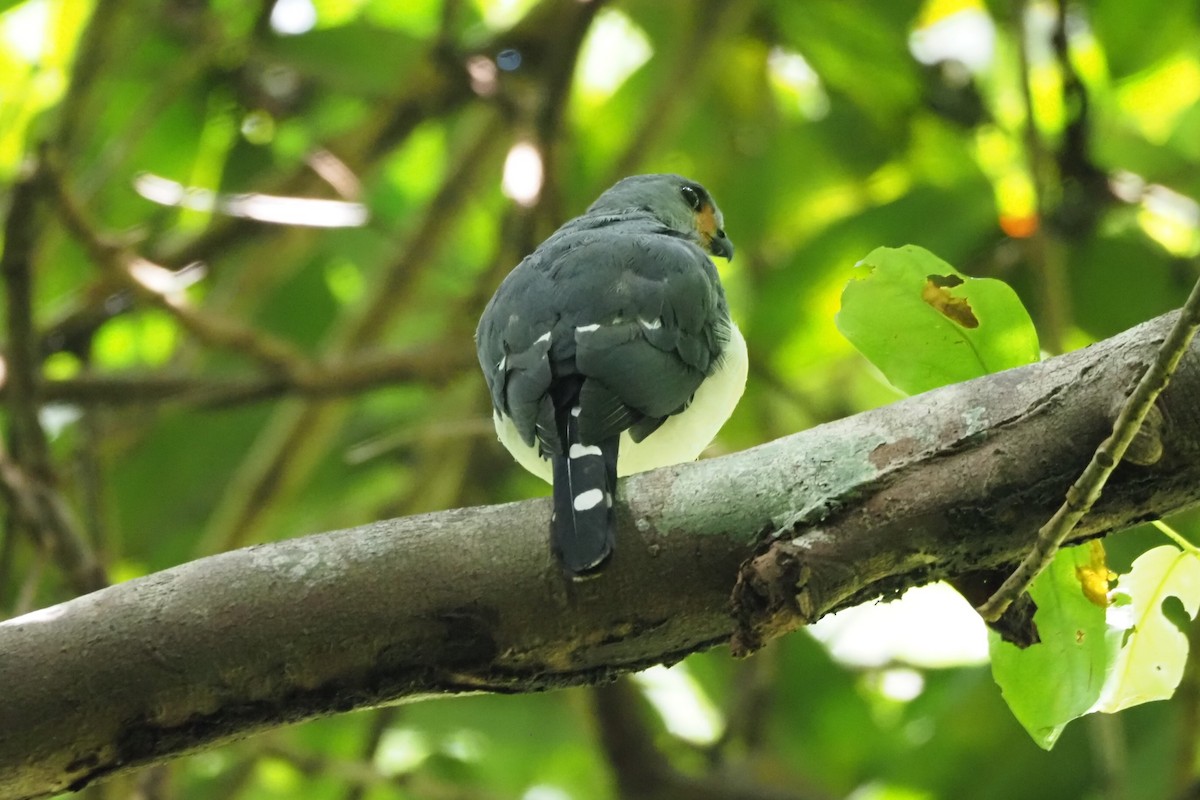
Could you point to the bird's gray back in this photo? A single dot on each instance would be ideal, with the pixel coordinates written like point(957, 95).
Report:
point(631, 307)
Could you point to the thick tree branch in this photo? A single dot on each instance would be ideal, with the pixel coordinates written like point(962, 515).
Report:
point(469, 600)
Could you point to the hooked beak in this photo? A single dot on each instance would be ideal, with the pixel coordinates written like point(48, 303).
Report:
point(719, 245)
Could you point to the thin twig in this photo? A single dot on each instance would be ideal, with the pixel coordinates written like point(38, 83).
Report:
point(1086, 490)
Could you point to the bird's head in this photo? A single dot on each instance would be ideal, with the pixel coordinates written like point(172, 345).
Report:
point(680, 204)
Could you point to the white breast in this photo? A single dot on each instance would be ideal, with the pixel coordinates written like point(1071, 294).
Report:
point(681, 438)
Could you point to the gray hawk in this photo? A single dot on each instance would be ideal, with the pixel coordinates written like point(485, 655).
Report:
point(609, 350)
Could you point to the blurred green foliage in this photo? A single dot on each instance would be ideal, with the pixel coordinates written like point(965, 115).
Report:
point(1055, 148)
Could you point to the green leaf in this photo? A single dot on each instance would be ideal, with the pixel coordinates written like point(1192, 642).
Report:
point(925, 325)
point(1153, 649)
point(1051, 683)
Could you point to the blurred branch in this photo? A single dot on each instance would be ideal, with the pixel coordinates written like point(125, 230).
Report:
point(1042, 247)
point(710, 20)
point(27, 481)
point(143, 279)
point(26, 597)
point(433, 363)
point(444, 89)
point(746, 716)
point(89, 473)
point(557, 70)
point(1187, 697)
point(381, 720)
point(8, 546)
point(45, 512)
point(363, 776)
point(1110, 754)
point(846, 512)
point(23, 364)
point(192, 65)
point(93, 49)
point(643, 772)
point(1084, 190)
point(297, 434)
point(1086, 490)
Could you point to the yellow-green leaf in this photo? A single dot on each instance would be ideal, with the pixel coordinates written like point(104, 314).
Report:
point(1152, 647)
point(925, 325)
point(1059, 679)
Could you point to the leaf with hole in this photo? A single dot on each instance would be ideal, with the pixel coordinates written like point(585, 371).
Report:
point(1153, 648)
point(925, 325)
point(1059, 679)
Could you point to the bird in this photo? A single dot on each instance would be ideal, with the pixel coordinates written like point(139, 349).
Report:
point(610, 350)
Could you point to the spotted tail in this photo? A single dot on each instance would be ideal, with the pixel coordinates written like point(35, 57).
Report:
point(585, 482)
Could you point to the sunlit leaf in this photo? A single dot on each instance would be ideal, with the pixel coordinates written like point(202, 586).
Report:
point(924, 324)
point(1057, 680)
point(1153, 649)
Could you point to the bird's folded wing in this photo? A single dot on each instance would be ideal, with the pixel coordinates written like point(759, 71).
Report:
point(640, 319)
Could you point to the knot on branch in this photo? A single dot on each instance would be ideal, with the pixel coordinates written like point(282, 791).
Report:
point(770, 597)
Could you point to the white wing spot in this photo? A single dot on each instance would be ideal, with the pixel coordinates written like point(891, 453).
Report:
point(651, 324)
point(545, 337)
point(579, 451)
point(589, 499)
point(575, 411)
point(587, 328)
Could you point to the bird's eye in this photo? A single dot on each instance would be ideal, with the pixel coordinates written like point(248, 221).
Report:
point(691, 196)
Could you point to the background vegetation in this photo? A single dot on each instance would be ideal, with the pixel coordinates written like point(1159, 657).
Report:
point(245, 246)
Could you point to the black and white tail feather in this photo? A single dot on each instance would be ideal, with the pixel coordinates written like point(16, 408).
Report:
point(583, 529)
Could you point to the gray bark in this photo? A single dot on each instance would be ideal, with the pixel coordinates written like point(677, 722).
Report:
point(938, 485)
